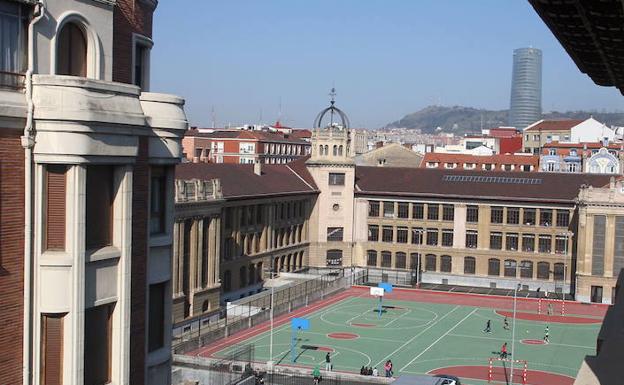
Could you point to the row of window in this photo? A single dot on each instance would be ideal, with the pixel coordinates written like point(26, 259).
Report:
point(337, 150)
point(247, 275)
point(250, 243)
point(511, 267)
point(498, 214)
point(402, 210)
point(483, 166)
point(444, 237)
point(252, 215)
point(283, 149)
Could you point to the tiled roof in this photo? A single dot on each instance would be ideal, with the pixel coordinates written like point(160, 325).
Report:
point(581, 145)
point(480, 159)
point(246, 134)
point(554, 125)
point(240, 181)
point(503, 186)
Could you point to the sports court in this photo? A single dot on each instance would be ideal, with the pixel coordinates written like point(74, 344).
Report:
point(431, 332)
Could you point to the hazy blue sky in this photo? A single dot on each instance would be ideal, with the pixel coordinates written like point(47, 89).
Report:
point(386, 57)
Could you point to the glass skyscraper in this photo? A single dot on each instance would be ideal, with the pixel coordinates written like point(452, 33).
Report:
point(526, 87)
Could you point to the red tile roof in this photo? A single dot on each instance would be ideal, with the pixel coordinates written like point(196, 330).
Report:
point(262, 136)
point(239, 180)
point(498, 159)
point(479, 185)
point(554, 125)
point(581, 145)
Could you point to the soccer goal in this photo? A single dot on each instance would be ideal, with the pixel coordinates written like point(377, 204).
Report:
point(500, 370)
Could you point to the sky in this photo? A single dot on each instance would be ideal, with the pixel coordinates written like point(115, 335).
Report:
point(240, 60)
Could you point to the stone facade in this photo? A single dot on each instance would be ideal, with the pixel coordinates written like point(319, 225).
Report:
point(85, 267)
point(600, 246)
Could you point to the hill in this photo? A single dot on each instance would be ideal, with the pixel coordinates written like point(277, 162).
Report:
point(461, 120)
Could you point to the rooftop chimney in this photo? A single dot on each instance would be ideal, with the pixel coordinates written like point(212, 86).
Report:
point(257, 168)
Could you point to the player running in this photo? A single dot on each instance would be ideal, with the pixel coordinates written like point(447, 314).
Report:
point(488, 327)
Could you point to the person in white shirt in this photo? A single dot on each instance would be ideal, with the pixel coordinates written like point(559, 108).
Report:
point(375, 372)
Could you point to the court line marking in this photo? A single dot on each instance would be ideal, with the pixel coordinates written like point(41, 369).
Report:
point(416, 336)
point(243, 336)
point(332, 357)
point(520, 340)
point(538, 322)
point(279, 328)
point(360, 337)
point(396, 318)
point(438, 340)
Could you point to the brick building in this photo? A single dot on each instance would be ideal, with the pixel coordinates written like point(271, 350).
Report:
point(86, 194)
point(243, 146)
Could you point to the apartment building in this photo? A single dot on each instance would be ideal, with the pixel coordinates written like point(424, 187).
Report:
point(570, 130)
point(235, 225)
point(243, 146)
point(588, 157)
point(502, 162)
point(86, 182)
point(600, 246)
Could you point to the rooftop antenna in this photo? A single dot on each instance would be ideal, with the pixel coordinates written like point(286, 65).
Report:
point(279, 111)
point(212, 112)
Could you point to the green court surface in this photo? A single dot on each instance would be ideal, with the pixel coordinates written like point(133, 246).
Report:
point(420, 337)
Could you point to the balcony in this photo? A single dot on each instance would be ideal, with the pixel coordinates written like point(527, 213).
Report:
point(82, 118)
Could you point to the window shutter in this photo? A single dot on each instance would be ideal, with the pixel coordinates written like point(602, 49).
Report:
point(55, 185)
point(52, 350)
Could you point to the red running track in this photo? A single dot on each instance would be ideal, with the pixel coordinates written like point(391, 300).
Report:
point(404, 294)
point(491, 301)
point(549, 318)
point(534, 377)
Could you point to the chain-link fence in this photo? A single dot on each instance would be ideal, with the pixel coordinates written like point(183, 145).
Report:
point(253, 310)
point(231, 369)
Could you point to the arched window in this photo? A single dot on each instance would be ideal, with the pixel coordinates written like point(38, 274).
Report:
point(510, 268)
point(335, 150)
point(252, 274)
point(300, 259)
point(259, 272)
point(526, 269)
point(340, 150)
point(558, 272)
point(321, 149)
point(400, 260)
point(326, 150)
point(430, 262)
point(414, 261)
point(334, 257)
point(469, 265)
point(243, 276)
point(543, 270)
point(282, 259)
point(227, 281)
point(446, 264)
point(386, 259)
point(493, 266)
point(371, 258)
point(71, 54)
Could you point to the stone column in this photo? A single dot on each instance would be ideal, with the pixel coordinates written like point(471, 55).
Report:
point(199, 252)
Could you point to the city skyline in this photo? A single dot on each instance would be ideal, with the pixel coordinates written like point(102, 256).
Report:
point(372, 52)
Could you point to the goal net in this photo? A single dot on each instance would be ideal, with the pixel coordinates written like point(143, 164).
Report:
point(500, 371)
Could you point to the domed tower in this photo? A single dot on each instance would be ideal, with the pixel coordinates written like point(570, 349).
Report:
point(333, 170)
point(331, 141)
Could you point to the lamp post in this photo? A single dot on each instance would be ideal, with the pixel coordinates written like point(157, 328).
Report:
point(513, 334)
point(270, 361)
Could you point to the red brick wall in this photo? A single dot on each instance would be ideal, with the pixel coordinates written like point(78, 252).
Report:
point(129, 16)
point(11, 256)
point(140, 189)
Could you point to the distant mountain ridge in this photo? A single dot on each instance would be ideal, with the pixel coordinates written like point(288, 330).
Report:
point(461, 120)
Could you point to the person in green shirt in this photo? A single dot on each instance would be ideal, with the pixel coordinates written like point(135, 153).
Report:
point(316, 374)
